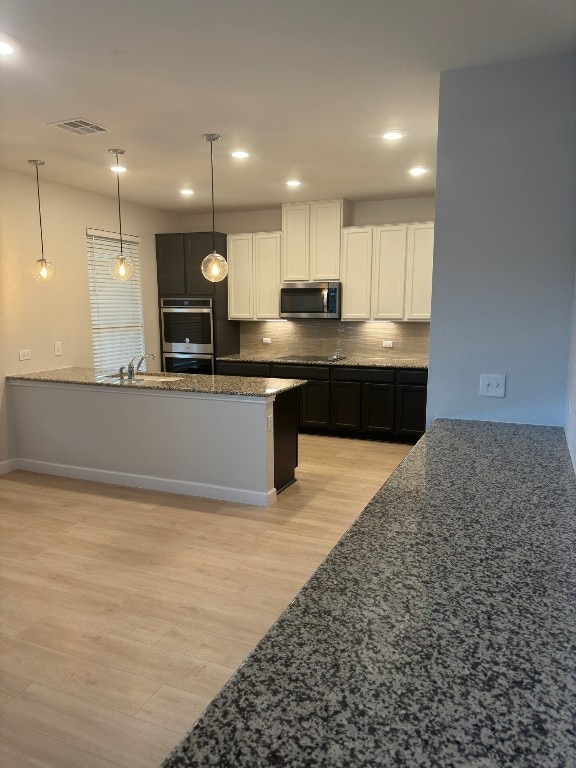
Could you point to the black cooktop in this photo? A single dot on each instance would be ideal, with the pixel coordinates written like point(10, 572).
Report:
point(313, 358)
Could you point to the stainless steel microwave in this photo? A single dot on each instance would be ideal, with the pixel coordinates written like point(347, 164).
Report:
point(319, 301)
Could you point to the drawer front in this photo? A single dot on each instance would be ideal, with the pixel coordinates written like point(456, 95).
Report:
point(412, 377)
point(377, 375)
point(321, 372)
point(243, 369)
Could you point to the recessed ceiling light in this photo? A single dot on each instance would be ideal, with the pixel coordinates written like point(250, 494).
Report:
point(393, 135)
point(418, 170)
point(240, 153)
point(7, 45)
point(118, 168)
point(293, 183)
point(186, 191)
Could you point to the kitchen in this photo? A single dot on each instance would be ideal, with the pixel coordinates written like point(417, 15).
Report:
point(536, 391)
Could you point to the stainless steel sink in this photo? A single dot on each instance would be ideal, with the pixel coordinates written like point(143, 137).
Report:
point(140, 379)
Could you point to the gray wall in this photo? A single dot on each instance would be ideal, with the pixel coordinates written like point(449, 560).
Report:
point(505, 240)
point(571, 396)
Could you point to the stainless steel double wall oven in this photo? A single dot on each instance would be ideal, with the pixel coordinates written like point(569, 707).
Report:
point(187, 327)
point(194, 324)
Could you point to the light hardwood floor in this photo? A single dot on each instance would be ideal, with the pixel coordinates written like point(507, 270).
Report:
point(123, 612)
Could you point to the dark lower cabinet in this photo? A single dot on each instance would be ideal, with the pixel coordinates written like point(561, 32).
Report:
point(378, 408)
point(315, 404)
point(232, 368)
point(372, 402)
point(410, 410)
point(410, 422)
point(346, 405)
point(285, 438)
point(314, 397)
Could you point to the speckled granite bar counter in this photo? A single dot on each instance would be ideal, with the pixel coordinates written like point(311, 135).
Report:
point(440, 631)
point(418, 363)
point(177, 382)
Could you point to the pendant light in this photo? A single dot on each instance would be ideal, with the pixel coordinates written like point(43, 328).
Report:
point(121, 268)
point(214, 266)
point(44, 270)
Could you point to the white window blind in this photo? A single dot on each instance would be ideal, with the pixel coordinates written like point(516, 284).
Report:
point(116, 308)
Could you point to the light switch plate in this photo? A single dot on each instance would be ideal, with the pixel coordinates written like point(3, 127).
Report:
point(57, 348)
point(492, 385)
point(266, 340)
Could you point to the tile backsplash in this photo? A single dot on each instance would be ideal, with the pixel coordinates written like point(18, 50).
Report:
point(328, 337)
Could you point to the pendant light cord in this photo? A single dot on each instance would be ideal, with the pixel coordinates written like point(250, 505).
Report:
point(119, 211)
point(40, 213)
point(212, 173)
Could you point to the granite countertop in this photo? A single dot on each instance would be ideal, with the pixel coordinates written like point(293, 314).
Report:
point(438, 632)
point(177, 382)
point(350, 361)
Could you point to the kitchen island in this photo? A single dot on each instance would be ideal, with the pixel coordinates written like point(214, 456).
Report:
point(438, 632)
point(229, 438)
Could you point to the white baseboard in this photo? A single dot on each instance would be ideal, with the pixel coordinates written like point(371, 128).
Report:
point(260, 499)
point(8, 466)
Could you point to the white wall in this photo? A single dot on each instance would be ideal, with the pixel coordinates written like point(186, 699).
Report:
point(375, 212)
point(505, 240)
point(33, 316)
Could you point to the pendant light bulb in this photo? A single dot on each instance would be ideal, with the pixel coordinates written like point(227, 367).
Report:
point(121, 267)
point(43, 270)
point(214, 266)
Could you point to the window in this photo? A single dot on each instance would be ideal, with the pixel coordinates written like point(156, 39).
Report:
point(116, 308)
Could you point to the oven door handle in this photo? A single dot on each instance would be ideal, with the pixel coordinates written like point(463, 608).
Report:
point(186, 310)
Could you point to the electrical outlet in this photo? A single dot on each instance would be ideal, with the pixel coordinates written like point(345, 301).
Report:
point(269, 423)
point(492, 385)
point(57, 348)
point(25, 354)
point(387, 343)
point(266, 340)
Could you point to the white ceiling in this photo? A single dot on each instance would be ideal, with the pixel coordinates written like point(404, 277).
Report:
point(307, 86)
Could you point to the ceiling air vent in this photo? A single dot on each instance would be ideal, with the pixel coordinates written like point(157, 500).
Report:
point(80, 126)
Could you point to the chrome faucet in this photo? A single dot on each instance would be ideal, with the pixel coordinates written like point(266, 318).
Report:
point(131, 370)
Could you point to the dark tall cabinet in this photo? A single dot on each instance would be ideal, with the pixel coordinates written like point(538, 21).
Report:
point(179, 257)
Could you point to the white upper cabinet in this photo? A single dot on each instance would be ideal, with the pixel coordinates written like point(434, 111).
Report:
point(388, 272)
point(356, 272)
point(296, 234)
point(254, 275)
point(241, 277)
point(420, 251)
point(267, 256)
point(312, 233)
